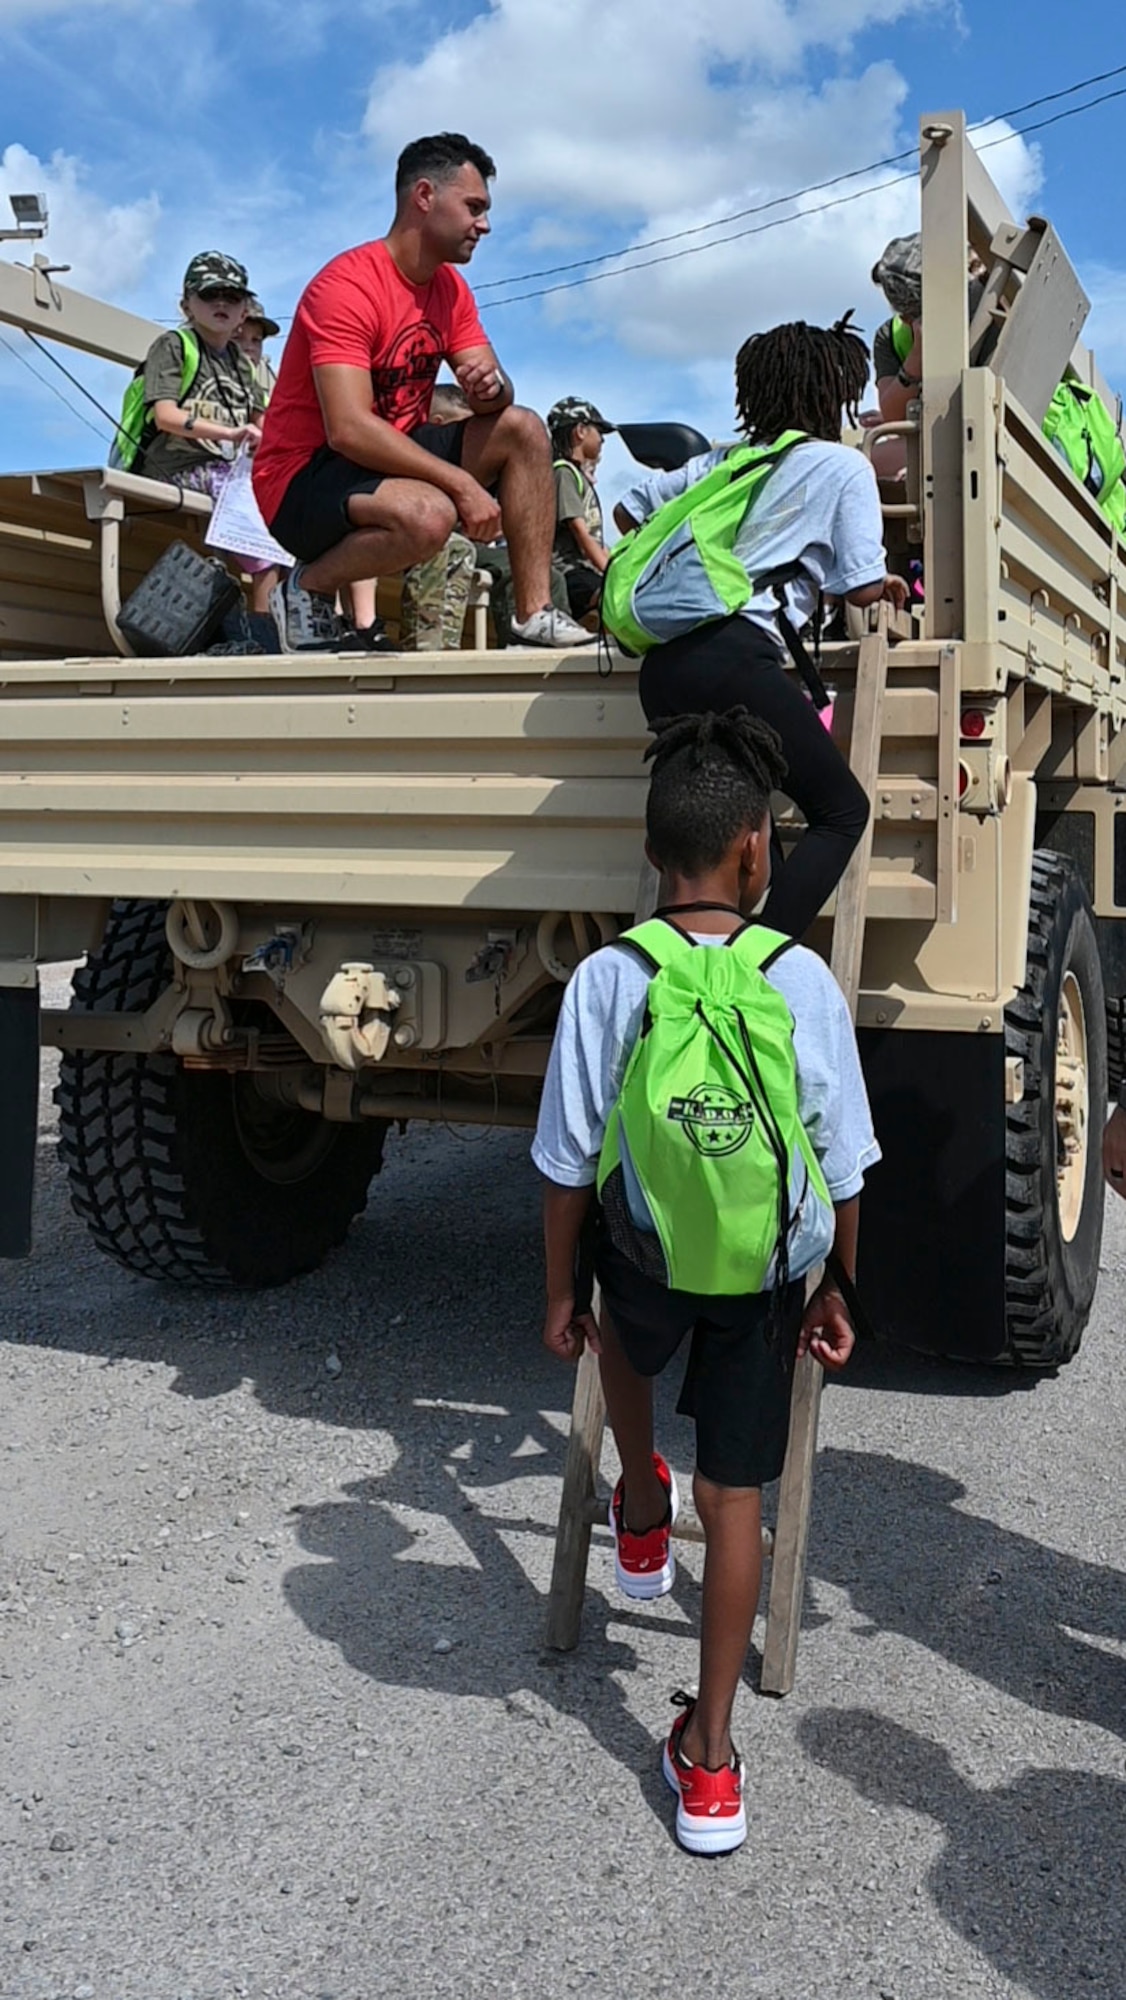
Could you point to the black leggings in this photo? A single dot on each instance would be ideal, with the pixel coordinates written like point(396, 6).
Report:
point(733, 664)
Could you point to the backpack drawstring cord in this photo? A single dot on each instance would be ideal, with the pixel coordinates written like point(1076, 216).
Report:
point(756, 1092)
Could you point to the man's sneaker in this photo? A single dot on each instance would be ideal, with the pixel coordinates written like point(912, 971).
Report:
point(306, 623)
point(710, 1817)
point(551, 628)
point(644, 1565)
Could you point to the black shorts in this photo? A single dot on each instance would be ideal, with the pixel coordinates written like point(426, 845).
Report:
point(740, 1371)
point(313, 515)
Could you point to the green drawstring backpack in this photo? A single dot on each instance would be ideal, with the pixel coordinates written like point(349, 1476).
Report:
point(708, 1114)
point(679, 569)
point(135, 428)
point(1079, 424)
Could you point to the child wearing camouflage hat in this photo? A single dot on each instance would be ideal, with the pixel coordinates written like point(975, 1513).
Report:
point(576, 430)
point(194, 430)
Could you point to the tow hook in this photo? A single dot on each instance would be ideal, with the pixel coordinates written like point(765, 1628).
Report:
point(356, 1014)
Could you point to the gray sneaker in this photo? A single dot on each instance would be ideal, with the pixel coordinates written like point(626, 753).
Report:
point(306, 623)
point(551, 628)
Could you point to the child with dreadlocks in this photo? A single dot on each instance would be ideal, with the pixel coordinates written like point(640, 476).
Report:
point(708, 826)
point(818, 516)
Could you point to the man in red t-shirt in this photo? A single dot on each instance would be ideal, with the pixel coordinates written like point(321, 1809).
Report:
point(350, 475)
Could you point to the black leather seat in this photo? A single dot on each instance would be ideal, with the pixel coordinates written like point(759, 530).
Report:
point(663, 447)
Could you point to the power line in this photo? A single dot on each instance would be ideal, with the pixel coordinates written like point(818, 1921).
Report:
point(799, 215)
point(50, 356)
point(47, 384)
point(779, 201)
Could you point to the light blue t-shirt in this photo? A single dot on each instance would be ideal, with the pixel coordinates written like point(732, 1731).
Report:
point(599, 1022)
point(820, 506)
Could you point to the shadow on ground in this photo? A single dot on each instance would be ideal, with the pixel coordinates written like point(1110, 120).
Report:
point(997, 1604)
point(1030, 1872)
point(433, 1307)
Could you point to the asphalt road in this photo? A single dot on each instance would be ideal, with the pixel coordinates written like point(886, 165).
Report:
point(275, 1713)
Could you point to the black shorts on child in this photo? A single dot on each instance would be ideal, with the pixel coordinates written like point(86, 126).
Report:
point(740, 1372)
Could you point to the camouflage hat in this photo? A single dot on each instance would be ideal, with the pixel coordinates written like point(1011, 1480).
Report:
point(899, 274)
point(211, 271)
point(572, 410)
point(256, 310)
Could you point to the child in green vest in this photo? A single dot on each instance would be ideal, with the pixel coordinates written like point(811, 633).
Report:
point(708, 824)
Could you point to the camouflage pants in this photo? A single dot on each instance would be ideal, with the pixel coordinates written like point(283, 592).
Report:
point(496, 560)
point(435, 598)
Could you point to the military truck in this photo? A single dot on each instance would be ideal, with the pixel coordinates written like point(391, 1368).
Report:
point(317, 897)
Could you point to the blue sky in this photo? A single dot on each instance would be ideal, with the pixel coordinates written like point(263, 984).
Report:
point(269, 128)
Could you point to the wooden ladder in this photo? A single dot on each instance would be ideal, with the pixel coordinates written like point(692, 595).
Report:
point(580, 1504)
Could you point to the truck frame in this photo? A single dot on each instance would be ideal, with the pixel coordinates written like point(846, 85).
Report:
point(320, 896)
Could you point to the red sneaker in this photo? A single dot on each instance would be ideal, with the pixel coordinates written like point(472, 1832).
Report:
point(710, 1818)
point(644, 1565)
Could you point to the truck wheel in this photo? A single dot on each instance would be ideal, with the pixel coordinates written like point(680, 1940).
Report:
point(195, 1177)
point(1054, 1191)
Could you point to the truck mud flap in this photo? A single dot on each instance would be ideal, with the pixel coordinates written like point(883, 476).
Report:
point(19, 1099)
point(932, 1219)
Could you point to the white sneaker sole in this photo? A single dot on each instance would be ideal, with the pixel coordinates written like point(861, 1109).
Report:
point(658, 1582)
point(703, 1836)
point(521, 642)
point(277, 608)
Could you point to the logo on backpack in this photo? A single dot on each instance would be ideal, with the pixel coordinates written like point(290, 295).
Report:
point(716, 1120)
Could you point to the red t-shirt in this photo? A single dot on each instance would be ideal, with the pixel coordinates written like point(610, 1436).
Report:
point(360, 312)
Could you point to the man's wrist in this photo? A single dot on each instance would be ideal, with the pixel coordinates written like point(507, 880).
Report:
point(449, 479)
point(908, 381)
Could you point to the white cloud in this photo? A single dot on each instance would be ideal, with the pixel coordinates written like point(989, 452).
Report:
point(1015, 168)
point(106, 244)
point(807, 260)
point(682, 116)
point(632, 106)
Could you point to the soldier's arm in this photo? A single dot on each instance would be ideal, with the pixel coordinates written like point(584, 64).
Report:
point(483, 380)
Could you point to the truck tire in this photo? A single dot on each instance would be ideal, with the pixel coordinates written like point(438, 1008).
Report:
point(1054, 1190)
point(194, 1177)
point(1115, 1041)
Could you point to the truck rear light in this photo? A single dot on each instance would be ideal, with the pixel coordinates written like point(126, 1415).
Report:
point(973, 723)
point(963, 780)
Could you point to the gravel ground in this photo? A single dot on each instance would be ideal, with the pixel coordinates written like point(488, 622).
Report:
point(277, 1720)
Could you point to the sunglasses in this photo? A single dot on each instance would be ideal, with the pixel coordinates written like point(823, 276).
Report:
point(222, 295)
